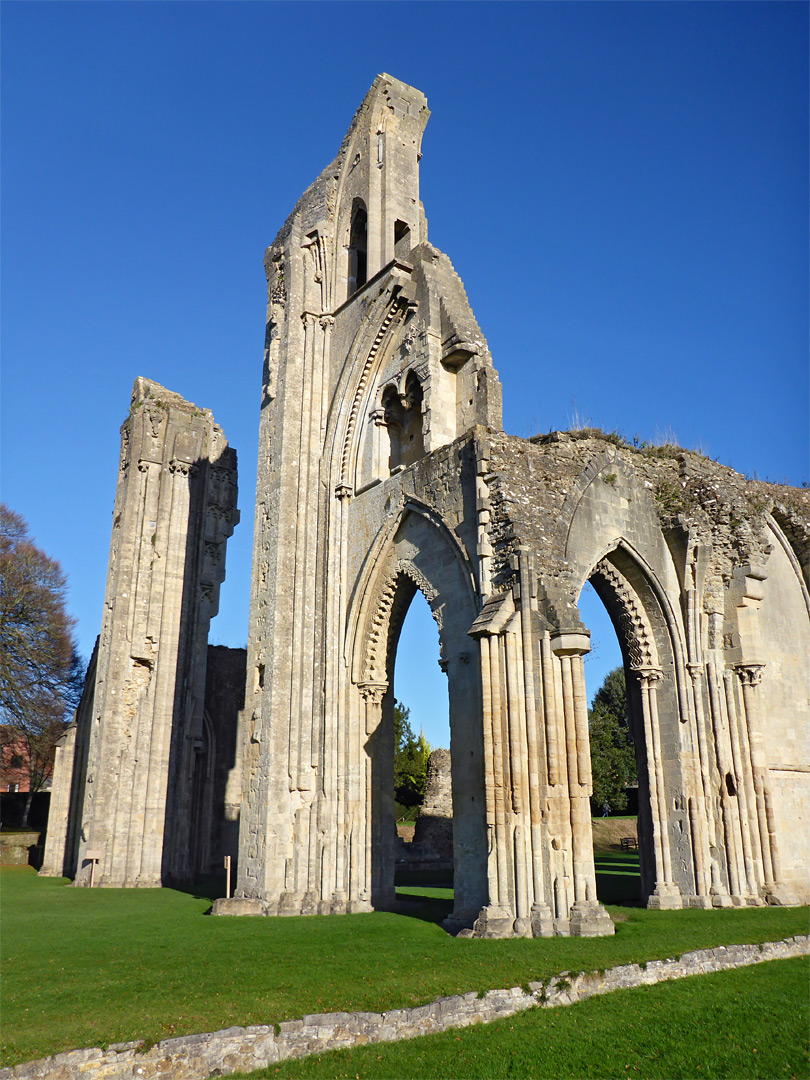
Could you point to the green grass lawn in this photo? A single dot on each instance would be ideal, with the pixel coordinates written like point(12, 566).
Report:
point(618, 877)
point(84, 968)
point(734, 1025)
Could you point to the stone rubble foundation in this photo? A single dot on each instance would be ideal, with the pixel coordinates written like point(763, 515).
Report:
point(237, 1049)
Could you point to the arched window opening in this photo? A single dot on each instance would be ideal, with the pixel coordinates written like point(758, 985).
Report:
point(615, 747)
point(402, 240)
point(403, 419)
point(358, 249)
point(422, 784)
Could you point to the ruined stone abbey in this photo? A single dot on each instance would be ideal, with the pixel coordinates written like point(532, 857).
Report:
point(383, 470)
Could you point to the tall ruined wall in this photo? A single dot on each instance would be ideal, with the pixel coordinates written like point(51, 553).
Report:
point(373, 358)
point(383, 471)
point(175, 507)
point(709, 598)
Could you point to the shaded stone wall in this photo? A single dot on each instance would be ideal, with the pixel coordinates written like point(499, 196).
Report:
point(141, 729)
point(432, 843)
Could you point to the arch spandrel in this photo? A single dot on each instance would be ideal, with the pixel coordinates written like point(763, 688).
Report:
point(608, 503)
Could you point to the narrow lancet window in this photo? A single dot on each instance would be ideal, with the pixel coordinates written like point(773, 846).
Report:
point(358, 249)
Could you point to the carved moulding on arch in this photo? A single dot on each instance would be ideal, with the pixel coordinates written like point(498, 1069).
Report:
point(634, 624)
point(395, 312)
point(375, 661)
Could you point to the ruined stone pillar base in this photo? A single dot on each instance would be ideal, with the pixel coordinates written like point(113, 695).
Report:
point(704, 902)
point(666, 898)
point(494, 922)
point(542, 921)
point(588, 918)
point(238, 906)
point(289, 904)
point(779, 895)
point(309, 904)
point(721, 900)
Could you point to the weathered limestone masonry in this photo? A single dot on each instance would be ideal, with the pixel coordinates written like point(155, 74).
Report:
point(198, 1057)
point(142, 746)
point(432, 845)
point(383, 470)
point(704, 576)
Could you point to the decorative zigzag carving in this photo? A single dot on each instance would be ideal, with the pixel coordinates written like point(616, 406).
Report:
point(377, 642)
point(635, 626)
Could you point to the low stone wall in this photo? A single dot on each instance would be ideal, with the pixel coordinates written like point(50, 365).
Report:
point(16, 848)
point(237, 1049)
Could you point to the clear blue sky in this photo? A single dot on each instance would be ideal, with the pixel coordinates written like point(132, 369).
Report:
point(622, 187)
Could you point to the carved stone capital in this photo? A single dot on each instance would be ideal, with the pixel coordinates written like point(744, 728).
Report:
point(343, 491)
point(749, 674)
point(571, 642)
point(648, 677)
point(372, 692)
point(327, 322)
point(695, 670)
point(308, 318)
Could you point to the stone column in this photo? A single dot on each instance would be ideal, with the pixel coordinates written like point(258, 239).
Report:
point(750, 676)
point(376, 874)
point(723, 761)
point(666, 894)
point(541, 918)
point(746, 798)
point(587, 917)
point(708, 837)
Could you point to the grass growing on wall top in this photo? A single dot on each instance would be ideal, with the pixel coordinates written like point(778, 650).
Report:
point(90, 967)
point(736, 1025)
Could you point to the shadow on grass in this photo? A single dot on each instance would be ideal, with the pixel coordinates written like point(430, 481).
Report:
point(421, 906)
point(211, 887)
point(415, 905)
point(618, 882)
point(618, 877)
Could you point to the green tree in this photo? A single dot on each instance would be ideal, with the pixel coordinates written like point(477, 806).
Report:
point(411, 753)
point(613, 757)
point(41, 673)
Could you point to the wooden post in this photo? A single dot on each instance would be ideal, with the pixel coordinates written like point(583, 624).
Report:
point(94, 857)
point(227, 877)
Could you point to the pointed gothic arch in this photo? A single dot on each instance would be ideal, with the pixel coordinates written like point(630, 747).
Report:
point(417, 552)
point(672, 849)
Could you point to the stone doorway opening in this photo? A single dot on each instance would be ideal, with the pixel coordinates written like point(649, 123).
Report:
point(642, 628)
point(422, 763)
point(614, 803)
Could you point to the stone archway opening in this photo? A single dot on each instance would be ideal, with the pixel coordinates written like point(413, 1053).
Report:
point(653, 715)
point(424, 852)
point(614, 802)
